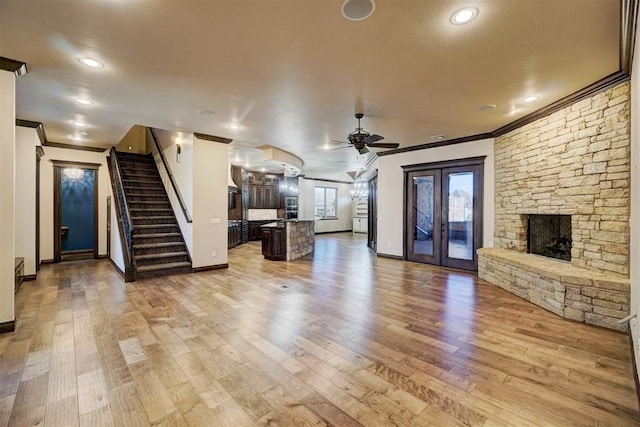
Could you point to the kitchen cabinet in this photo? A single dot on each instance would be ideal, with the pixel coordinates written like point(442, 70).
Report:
point(234, 234)
point(359, 225)
point(264, 191)
point(254, 229)
point(264, 197)
point(274, 242)
point(360, 212)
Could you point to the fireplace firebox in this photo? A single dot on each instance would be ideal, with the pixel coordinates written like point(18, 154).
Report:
point(549, 235)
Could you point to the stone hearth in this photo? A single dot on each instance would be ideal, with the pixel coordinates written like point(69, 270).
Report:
point(571, 292)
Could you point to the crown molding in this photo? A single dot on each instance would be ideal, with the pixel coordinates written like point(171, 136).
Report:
point(74, 147)
point(212, 138)
point(18, 68)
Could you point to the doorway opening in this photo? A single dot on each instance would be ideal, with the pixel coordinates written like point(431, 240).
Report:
point(75, 194)
point(443, 212)
point(372, 211)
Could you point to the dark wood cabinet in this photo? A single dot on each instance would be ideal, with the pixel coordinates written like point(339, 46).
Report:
point(255, 232)
point(264, 192)
point(255, 196)
point(274, 243)
point(234, 234)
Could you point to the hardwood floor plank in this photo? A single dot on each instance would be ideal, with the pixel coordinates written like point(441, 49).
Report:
point(92, 392)
point(63, 412)
point(351, 340)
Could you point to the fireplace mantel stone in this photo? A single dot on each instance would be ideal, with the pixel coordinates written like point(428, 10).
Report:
point(571, 292)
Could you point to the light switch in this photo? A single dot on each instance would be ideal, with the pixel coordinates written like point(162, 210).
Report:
point(215, 220)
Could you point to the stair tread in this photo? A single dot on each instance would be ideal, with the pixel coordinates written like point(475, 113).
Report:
point(157, 245)
point(166, 266)
point(161, 255)
point(155, 235)
point(173, 224)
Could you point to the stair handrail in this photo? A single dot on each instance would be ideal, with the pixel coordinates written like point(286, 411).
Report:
point(421, 217)
point(124, 216)
point(174, 185)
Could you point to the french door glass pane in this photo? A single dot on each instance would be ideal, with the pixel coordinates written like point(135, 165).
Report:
point(423, 218)
point(461, 215)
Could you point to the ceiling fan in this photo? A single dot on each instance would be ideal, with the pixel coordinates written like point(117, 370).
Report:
point(361, 139)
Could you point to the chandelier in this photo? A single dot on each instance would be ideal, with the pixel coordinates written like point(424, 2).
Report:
point(359, 190)
point(73, 173)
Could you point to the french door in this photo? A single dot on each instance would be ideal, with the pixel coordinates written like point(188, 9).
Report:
point(443, 224)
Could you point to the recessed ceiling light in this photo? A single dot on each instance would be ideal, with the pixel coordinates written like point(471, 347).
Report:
point(83, 133)
point(90, 62)
point(487, 107)
point(357, 10)
point(529, 98)
point(76, 138)
point(233, 126)
point(438, 137)
point(207, 113)
point(80, 124)
point(84, 101)
point(464, 16)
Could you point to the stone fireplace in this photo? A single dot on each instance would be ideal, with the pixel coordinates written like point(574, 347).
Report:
point(572, 164)
point(549, 235)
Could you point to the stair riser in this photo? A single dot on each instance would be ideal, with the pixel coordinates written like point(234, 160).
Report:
point(148, 205)
point(159, 198)
point(151, 220)
point(145, 191)
point(160, 250)
point(150, 185)
point(140, 240)
point(179, 258)
point(155, 228)
point(171, 271)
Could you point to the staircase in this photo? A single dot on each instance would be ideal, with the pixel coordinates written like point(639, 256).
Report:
point(158, 248)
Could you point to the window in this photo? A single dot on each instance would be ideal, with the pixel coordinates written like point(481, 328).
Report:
point(326, 202)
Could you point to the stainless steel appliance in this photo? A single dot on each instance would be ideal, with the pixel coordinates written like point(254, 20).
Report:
point(291, 207)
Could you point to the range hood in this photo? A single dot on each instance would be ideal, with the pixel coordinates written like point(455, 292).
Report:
point(233, 188)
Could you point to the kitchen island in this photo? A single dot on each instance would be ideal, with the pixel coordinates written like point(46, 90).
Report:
point(287, 240)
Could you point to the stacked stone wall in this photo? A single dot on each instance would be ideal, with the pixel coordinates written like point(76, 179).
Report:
point(300, 239)
point(575, 162)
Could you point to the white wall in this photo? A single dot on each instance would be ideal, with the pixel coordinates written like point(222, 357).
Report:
point(306, 205)
point(391, 187)
point(7, 193)
point(183, 175)
point(46, 195)
point(25, 196)
point(210, 207)
point(634, 219)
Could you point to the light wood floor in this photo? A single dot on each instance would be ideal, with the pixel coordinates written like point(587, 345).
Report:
point(338, 338)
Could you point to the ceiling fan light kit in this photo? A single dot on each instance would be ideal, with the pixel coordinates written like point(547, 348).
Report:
point(361, 139)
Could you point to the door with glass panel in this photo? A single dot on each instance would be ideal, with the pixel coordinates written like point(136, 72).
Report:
point(444, 213)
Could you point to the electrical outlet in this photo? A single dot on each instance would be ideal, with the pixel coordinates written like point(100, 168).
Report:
point(214, 254)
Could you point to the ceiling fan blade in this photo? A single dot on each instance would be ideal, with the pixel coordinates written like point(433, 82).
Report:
point(384, 145)
point(373, 138)
point(335, 141)
point(363, 150)
point(340, 148)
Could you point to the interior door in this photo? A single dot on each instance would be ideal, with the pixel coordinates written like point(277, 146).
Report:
point(372, 214)
point(443, 222)
point(423, 216)
point(461, 216)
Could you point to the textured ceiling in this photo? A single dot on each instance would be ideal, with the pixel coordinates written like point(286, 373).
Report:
point(293, 73)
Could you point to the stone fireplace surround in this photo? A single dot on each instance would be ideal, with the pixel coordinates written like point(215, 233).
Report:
point(572, 162)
